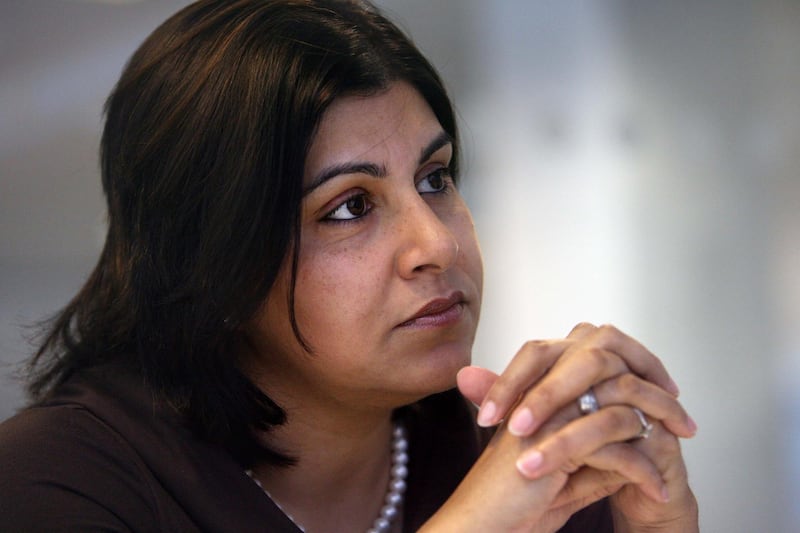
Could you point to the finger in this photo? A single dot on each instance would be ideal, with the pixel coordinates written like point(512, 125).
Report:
point(530, 363)
point(628, 389)
point(566, 448)
point(587, 486)
point(633, 465)
point(579, 368)
point(640, 360)
point(581, 331)
point(474, 383)
point(584, 488)
point(597, 354)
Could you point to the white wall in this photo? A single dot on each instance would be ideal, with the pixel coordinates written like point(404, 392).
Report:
point(627, 162)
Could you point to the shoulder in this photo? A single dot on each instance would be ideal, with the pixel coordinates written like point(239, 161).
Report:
point(64, 467)
point(106, 454)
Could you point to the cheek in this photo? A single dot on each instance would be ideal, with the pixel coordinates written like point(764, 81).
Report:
point(336, 292)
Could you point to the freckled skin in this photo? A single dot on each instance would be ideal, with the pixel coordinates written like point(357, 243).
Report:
point(358, 281)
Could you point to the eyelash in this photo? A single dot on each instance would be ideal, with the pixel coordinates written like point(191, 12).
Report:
point(447, 186)
point(447, 178)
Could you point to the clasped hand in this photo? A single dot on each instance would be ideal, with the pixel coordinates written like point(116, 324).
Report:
point(548, 459)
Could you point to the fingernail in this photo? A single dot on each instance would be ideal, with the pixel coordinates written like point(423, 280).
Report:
point(692, 424)
point(673, 388)
point(486, 414)
point(529, 464)
point(521, 423)
point(664, 494)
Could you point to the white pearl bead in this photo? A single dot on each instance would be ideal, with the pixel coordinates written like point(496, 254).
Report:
point(399, 471)
point(400, 458)
point(394, 498)
point(389, 511)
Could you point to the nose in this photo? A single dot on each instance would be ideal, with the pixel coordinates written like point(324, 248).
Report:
point(427, 244)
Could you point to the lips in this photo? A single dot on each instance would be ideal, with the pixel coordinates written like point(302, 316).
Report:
point(438, 312)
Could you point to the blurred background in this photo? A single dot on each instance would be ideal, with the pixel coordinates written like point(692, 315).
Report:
point(627, 162)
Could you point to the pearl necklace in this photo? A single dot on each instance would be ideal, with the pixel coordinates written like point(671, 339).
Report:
point(394, 493)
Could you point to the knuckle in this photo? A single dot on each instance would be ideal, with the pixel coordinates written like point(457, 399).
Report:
point(559, 443)
point(609, 330)
point(560, 450)
point(667, 444)
point(595, 356)
point(640, 469)
point(630, 386)
point(570, 466)
point(545, 394)
point(501, 389)
point(534, 347)
point(582, 326)
point(619, 418)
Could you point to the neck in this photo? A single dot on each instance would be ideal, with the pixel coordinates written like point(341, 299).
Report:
point(339, 481)
point(341, 442)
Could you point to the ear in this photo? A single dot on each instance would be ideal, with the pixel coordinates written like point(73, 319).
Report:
point(474, 382)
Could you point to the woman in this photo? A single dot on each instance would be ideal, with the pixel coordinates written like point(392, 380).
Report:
point(289, 287)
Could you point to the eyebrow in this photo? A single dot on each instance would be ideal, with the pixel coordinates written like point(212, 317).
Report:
point(372, 169)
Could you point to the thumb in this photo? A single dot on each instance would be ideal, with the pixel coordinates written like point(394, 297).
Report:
point(474, 382)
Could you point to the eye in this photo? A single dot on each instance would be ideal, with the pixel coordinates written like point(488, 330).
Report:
point(353, 208)
point(437, 181)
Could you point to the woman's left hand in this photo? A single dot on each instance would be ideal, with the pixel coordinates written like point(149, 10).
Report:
point(545, 376)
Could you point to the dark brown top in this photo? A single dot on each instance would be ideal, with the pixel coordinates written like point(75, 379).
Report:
point(104, 455)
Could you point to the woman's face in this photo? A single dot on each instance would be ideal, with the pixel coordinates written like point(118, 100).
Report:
point(389, 275)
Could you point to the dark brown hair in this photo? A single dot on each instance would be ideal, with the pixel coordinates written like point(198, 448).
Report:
point(202, 155)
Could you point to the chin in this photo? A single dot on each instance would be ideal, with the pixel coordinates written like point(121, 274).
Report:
point(437, 373)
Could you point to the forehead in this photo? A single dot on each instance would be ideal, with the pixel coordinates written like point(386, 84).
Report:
point(368, 127)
